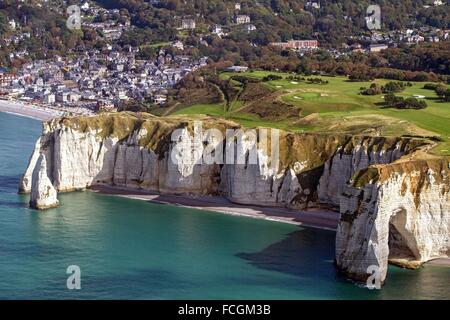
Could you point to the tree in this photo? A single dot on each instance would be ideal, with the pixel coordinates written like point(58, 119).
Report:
point(392, 101)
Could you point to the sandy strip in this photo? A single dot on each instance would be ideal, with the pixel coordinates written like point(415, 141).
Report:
point(321, 219)
point(28, 110)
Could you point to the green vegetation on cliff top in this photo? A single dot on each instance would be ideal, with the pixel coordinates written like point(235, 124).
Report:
point(312, 150)
point(336, 107)
point(155, 133)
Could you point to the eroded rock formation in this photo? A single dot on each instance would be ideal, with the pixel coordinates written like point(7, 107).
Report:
point(136, 150)
point(398, 212)
point(43, 194)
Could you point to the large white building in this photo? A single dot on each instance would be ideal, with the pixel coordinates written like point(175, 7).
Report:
point(377, 47)
point(242, 18)
point(297, 44)
point(12, 24)
point(188, 24)
point(49, 98)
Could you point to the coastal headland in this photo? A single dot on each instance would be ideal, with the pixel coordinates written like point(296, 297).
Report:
point(392, 196)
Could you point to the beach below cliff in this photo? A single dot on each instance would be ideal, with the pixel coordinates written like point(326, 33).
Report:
point(28, 110)
point(315, 218)
point(39, 112)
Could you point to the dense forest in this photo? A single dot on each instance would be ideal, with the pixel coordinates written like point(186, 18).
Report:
point(279, 20)
point(47, 28)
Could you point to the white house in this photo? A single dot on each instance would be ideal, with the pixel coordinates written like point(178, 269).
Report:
point(178, 45)
point(74, 97)
point(62, 96)
point(49, 98)
point(217, 30)
point(122, 95)
point(416, 38)
point(188, 24)
point(12, 24)
point(377, 47)
point(311, 4)
point(159, 98)
point(237, 69)
point(242, 18)
point(85, 6)
point(250, 27)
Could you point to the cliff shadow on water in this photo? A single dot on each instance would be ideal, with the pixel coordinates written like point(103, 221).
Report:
point(307, 255)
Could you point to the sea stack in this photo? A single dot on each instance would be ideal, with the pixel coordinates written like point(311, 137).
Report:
point(43, 194)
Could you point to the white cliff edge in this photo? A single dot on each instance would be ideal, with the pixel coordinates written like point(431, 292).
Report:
point(404, 219)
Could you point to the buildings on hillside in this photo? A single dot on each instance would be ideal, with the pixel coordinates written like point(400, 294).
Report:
point(188, 24)
point(242, 19)
point(97, 80)
point(377, 47)
point(6, 78)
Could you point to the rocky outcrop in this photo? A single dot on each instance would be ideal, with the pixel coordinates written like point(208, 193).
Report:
point(25, 183)
point(135, 151)
point(43, 194)
point(357, 155)
point(139, 151)
point(121, 150)
point(399, 213)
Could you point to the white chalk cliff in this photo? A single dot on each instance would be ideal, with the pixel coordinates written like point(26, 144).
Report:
point(43, 194)
point(398, 213)
point(136, 150)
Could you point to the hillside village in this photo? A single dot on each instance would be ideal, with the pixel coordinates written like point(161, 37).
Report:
point(107, 78)
point(98, 80)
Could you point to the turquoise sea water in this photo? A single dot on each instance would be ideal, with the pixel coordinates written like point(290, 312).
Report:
point(130, 249)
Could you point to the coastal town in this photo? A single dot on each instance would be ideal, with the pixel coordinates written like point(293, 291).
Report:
point(97, 80)
point(88, 80)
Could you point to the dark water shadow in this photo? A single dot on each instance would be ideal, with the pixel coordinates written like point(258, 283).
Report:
point(31, 249)
point(304, 253)
point(308, 255)
point(9, 183)
point(13, 204)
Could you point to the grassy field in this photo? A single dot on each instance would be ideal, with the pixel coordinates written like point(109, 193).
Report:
point(156, 45)
point(338, 107)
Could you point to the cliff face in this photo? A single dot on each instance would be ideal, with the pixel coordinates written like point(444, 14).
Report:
point(136, 151)
point(43, 194)
point(354, 157)
point(125, 151)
